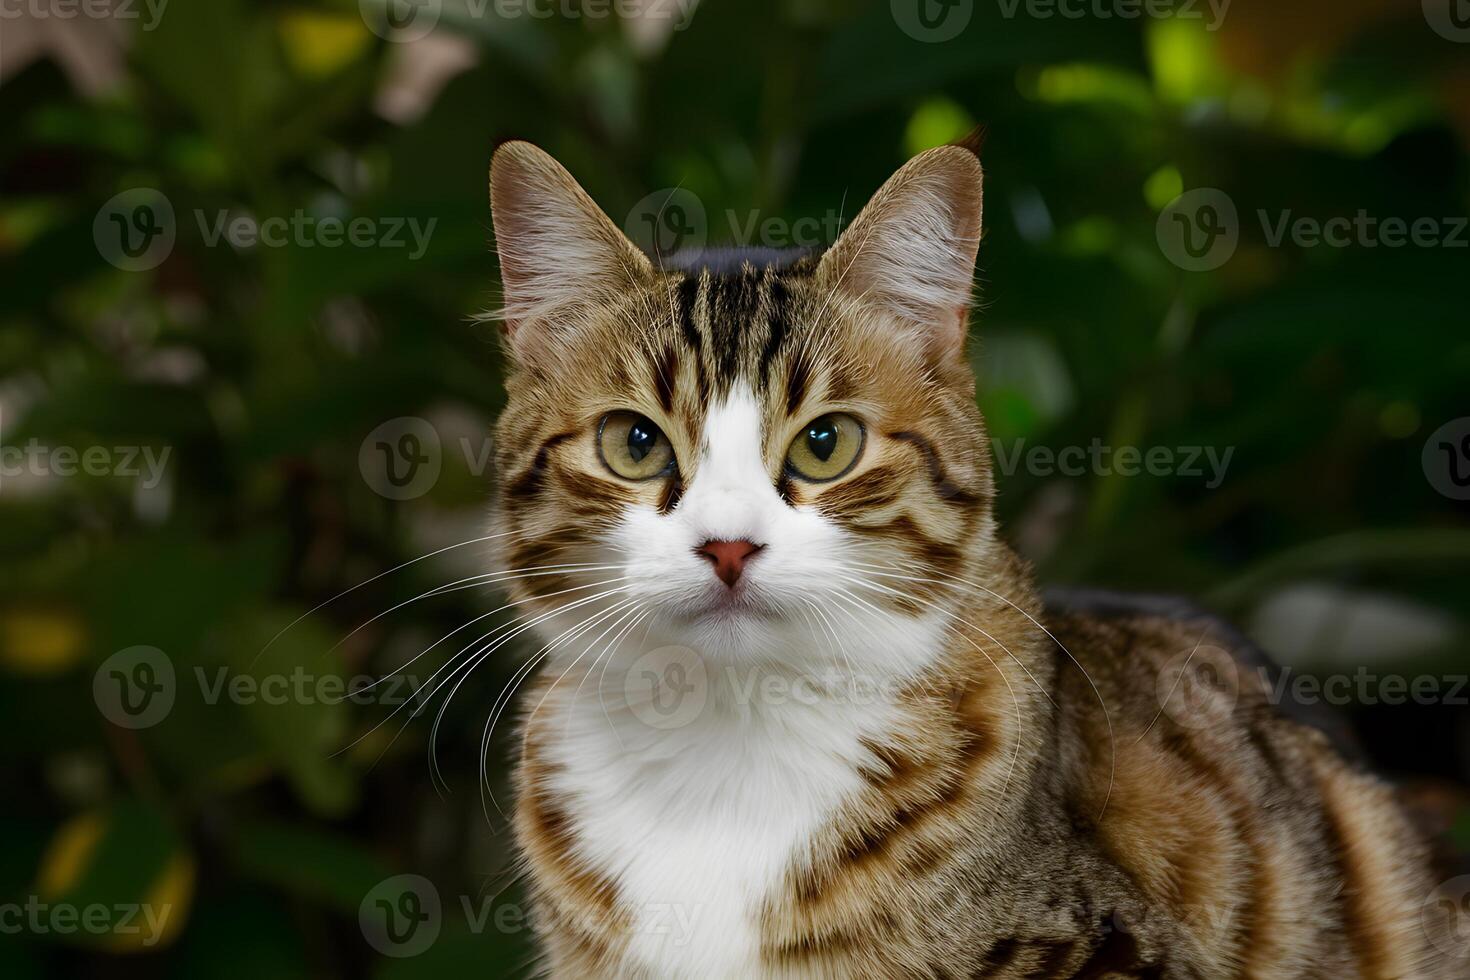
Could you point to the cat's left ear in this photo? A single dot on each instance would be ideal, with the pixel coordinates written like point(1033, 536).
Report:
point(559, 253)
point(912, 250)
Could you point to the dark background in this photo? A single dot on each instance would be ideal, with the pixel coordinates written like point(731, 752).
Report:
point(264, 372)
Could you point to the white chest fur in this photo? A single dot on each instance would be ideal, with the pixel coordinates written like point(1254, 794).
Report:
point(699, 824)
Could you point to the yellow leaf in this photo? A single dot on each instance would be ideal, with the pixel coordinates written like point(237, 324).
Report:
point(39, 641)
point(169, 898)
point(69, 854)
point(317, 44)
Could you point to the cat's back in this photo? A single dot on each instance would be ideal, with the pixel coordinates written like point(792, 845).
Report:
point(1166, 659)
point(1235, 811)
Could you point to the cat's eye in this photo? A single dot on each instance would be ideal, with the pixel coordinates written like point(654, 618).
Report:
point(827, 448)
point(633, 447)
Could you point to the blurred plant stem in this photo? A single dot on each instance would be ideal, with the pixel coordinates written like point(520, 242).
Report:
point(1332, 557)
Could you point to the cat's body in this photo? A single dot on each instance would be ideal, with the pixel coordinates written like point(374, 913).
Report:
point(864, 749)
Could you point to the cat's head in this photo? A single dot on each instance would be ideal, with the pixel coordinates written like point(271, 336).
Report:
point(781, 461)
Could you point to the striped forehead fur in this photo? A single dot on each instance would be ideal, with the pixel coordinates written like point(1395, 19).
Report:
point(682, 342)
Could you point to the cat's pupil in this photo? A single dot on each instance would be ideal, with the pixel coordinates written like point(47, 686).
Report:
point(821, 439)
point(641, 438)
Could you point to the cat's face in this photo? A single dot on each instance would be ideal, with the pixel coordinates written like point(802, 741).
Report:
point(765, 464)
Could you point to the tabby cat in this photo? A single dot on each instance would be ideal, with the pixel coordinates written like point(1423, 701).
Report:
point(804, 714)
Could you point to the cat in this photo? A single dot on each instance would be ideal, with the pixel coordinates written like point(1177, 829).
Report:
point(802, 713)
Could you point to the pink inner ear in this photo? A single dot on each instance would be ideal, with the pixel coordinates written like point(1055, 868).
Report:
point(949, 339)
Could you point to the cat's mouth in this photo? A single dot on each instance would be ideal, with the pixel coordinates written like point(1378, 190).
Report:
point(726, 605)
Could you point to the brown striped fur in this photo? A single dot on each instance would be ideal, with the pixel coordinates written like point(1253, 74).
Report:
point(1034, 810)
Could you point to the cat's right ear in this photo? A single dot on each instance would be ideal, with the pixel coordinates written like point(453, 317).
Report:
point(559, 253)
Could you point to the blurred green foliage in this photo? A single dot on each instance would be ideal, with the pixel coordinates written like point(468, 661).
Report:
point(261, 371)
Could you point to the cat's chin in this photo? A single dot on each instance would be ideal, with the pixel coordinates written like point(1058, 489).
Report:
point(732, 620)
point(732, 625)
point(719, 605)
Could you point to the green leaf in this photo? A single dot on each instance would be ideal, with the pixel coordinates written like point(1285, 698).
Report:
point(310, 863)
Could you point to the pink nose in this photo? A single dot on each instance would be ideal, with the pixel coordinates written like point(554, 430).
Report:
point(728, 557)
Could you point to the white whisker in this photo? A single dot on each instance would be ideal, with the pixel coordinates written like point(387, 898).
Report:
point(413, 561)
point(427, 692)
point(1107, 717)
point(474, 581)
point(1016, 701)
point(502, 702)
point(638, 611)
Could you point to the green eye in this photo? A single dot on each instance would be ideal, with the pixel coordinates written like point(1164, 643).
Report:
point(826, 448)
point(633, 447)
